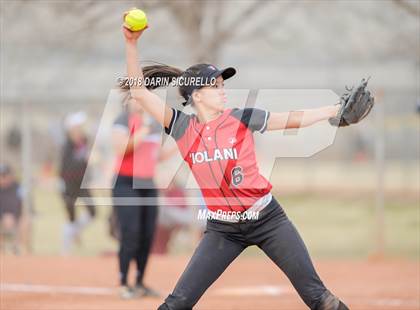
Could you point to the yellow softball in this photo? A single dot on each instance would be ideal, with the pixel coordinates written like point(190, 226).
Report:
point(135, 20)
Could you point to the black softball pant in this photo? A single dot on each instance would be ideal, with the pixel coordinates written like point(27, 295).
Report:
point(223, 242)
point(70, 201)
point(136, 226)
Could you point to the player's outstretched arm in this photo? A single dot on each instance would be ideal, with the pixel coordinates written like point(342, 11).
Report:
point(300, 119)
point(150, 102)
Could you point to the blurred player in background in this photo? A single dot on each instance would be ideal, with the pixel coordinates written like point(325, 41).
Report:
point(10, 210)
point(73, 166)
point(172, 217)
point(135, 169)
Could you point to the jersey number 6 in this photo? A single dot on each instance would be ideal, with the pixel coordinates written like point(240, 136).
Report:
point(237, 175)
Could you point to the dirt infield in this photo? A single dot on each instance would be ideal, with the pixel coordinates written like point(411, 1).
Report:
point(84, 283)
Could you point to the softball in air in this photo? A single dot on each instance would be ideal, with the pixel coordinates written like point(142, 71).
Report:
point(135, 20)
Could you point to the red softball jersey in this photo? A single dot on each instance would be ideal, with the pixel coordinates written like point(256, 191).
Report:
point(141, 162)
point(221, 155)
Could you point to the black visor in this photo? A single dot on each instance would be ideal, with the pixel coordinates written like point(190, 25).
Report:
point(226, 73)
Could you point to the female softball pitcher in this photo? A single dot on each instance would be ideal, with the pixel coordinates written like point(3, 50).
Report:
point(218, 145)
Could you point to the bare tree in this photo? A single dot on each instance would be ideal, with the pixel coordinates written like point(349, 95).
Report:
point(413, 8)
point(205, 26)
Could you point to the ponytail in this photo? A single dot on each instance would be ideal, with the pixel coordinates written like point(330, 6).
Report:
point(160, 71)
point(156, 73)
point(150, 72)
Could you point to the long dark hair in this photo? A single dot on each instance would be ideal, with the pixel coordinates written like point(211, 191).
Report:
point(154, 71)
point(161, 71)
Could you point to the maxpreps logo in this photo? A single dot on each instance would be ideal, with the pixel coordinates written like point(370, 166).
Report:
point(223, 154)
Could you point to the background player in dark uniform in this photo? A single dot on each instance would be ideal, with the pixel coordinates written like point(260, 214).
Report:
point(73, 166)
point(217, 144)
point(135, 170)
point(10, 210)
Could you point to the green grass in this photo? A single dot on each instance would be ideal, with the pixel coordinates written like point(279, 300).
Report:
point(48, 225)
point(342, 227)
point(346, 227)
